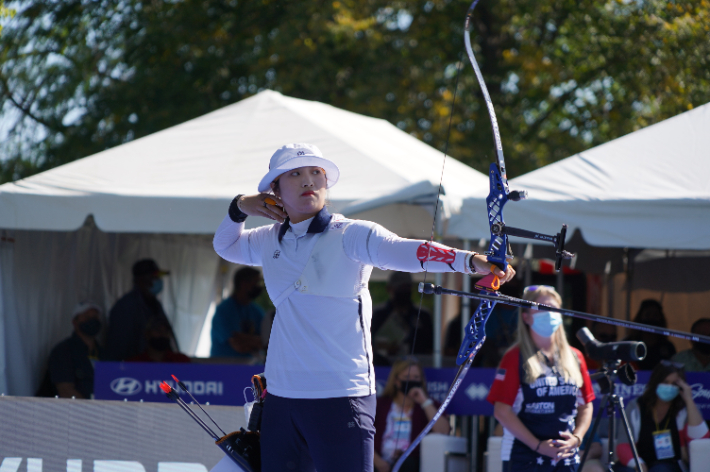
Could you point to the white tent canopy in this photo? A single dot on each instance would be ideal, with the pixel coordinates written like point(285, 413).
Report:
point(648, 189)
point(182, 179)
point(161, 196)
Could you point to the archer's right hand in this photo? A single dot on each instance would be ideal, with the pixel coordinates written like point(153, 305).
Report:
point(256, 205)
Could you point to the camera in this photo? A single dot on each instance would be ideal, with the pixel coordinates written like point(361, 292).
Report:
point(627, 351)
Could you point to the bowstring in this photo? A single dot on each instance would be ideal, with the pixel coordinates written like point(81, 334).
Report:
point(459, 67)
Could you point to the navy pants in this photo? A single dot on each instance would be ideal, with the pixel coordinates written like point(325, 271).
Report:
point(536, 466)
point(324, 435)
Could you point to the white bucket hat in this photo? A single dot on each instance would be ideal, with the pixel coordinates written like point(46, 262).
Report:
point(295, 155)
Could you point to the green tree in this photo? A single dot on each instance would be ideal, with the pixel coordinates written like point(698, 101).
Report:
point(77, 77)
point(5, 12)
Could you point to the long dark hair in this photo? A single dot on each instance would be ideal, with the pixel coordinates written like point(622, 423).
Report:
point(662, 370)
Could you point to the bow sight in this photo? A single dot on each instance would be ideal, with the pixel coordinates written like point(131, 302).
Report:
point(497, 198)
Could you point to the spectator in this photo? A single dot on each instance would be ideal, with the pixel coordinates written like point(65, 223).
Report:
point(403, 410)
point(159, 345)
point(500, 332)
point(394, 323)
point(593, 462)
point(696, 359)
point(658, 347)
point(130, 315)
point(542, 392)
point(266, 325)
point(236, 326)
point(71, 362)
point(663, 421)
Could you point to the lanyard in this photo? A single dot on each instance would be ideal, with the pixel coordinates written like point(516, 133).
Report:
point(665, 427)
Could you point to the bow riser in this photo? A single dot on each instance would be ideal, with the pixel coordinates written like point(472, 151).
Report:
point(475, 330)
point(495, 202)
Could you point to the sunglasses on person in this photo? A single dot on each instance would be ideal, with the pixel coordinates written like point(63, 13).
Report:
point(534, 288)
point(677, 365)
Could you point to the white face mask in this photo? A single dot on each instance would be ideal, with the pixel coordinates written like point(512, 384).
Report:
point(545, 323)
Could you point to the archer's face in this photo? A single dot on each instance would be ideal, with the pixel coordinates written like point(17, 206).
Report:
point(302, 190)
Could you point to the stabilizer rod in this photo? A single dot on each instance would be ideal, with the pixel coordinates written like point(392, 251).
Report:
point(430, 289)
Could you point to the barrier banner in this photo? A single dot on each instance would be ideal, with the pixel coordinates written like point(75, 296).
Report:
point(216, 384)
point(225, 384)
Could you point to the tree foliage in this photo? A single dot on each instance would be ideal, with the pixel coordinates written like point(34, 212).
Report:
point(80, 76)
point(5, 12)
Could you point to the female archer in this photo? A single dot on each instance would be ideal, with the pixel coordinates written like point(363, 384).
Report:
point(320, 407)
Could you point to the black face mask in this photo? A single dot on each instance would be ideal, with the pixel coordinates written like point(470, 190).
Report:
point(255, 292)
point(405, 386)
point(161, 344)
point(90, 327)
point(702, 348)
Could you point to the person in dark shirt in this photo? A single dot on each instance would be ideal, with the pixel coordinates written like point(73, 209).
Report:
point(159, 345)
point(500, 332)
point(236, 326)
point(696, 359)
point(394, 323)
point(71, 362)
point(130, 315)
point(658, 347)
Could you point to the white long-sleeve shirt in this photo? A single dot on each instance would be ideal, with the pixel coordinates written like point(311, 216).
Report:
point(320, 346)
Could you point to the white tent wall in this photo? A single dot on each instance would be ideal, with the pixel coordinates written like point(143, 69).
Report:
point(43, 274)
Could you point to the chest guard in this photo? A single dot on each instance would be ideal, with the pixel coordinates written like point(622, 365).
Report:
point(329, 272)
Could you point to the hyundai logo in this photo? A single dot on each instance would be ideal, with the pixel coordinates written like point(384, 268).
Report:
point(126, 386)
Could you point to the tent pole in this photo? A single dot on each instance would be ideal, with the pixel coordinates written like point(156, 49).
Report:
point(629, 279)
point(527, 258)
point(609, 284)
point(437, 304)
point(465, 301)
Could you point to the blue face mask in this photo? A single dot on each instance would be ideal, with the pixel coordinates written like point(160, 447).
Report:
point(545, 323)
point(157, 286)
point(667, 392)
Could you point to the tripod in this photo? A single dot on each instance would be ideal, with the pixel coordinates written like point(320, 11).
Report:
point(610, 372)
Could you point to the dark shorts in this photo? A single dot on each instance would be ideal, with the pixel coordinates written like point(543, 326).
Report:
point(327, 435)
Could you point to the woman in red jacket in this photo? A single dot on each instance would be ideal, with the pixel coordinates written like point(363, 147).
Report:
point(403, 410)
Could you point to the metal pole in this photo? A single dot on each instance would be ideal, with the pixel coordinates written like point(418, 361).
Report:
point(474, 442)
point(437, 306)
point(437, 325)
point(465, 302)
point(527, 256)
point(629, 256)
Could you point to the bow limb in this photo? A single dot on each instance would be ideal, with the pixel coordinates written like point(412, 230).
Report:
point(475, 332)
point(468, 26)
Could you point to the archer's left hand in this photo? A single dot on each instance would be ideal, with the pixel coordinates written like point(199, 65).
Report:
point(482, 266)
